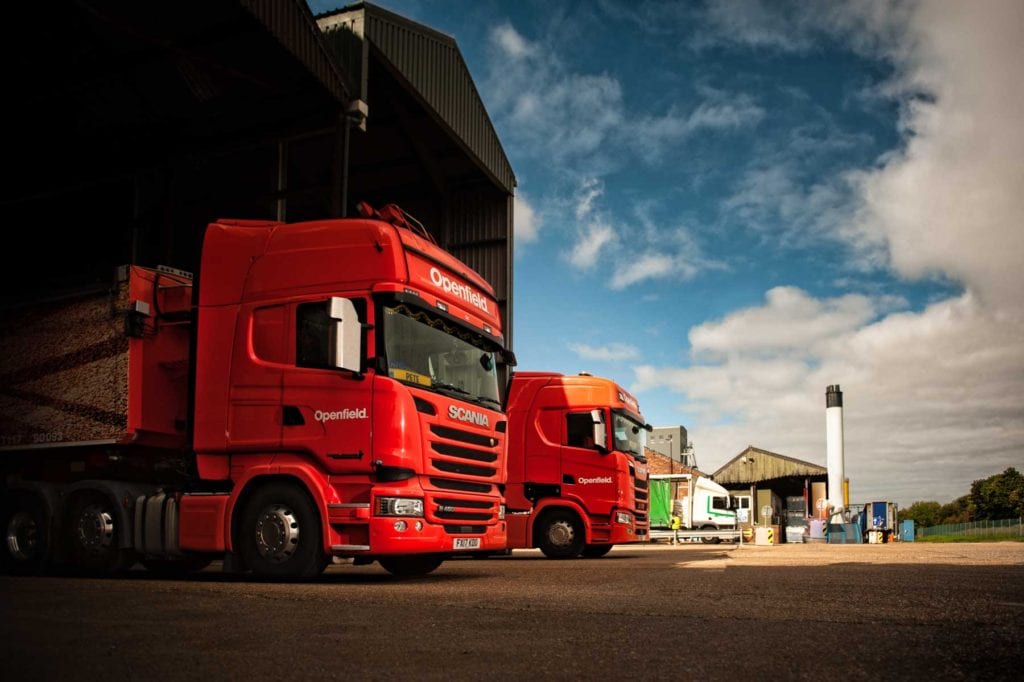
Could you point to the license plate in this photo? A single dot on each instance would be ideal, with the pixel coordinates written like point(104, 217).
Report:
point(467, 543)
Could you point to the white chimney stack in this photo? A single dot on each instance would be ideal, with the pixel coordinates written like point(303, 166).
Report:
point(834, 447)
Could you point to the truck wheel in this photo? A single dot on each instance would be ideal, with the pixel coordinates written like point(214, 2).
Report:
point(93, 536)
point(560, 535)
point(707, 540)
point(26, 547)
point(280, 535)
point(596, 551)
point(410, 566)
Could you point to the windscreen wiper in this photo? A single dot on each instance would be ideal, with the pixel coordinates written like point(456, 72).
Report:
point(451, 387)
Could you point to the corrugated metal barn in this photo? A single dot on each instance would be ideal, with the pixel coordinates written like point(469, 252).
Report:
point(131, 125)
point(770, 477)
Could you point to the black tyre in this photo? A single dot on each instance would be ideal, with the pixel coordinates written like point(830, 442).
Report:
point(596, 551)
point(26, 540)
point(710, 541)
point(410, 566)
point(280, 536)
point(559, 534)
point(93, 533)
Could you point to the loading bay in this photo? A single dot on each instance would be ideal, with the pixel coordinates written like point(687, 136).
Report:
point(655, 612)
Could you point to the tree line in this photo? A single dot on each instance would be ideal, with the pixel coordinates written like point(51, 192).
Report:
point(997, 497)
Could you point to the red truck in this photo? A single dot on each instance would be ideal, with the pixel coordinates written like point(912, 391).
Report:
point(577, 475)
point(323, 389)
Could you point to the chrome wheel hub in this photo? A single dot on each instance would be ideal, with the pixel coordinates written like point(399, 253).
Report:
point(21, 536)
point(95, 528)
point(277, 533)
point(561, 534)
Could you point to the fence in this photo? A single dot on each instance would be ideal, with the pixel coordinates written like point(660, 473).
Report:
point(998, 527)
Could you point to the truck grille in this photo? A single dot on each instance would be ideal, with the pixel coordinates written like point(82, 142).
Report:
point(463, 472)
point(466, 469)
point(464, 486)
point(465, 530)
point(641, 497)
point(464, 453)
point(463, 510)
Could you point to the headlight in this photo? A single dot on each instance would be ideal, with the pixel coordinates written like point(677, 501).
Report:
point(623, 517)
point(399, 506)
point(501, 512)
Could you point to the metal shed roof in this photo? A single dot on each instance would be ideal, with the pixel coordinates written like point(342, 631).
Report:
point(431, 63)
point(755, 465)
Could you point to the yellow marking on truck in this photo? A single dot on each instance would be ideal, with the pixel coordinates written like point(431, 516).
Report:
point(411, 377)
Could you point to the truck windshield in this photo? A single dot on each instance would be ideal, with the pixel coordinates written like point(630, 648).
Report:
point(430, 352)
point(630, 435)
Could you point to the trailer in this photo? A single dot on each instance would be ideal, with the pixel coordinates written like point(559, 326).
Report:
point(691, 506)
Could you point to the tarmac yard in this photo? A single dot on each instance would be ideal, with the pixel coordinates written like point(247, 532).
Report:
point(723, 612)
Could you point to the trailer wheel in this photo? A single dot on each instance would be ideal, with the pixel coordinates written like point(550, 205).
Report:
point(280, 534)
point(26, 547)
point(93, 536)
point(560, 535)
point(596, 551)
point(710, 541)
point(410, 566)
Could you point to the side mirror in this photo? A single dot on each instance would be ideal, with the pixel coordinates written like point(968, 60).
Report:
point(600, 432)
point(507, 358)
point(346, 341)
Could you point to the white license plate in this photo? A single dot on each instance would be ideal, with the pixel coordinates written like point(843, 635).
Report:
point(467, 543)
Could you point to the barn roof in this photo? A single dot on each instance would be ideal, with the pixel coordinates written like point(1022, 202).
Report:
point(754, 465)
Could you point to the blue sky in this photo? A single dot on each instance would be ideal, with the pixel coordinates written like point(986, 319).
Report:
point(728, 206)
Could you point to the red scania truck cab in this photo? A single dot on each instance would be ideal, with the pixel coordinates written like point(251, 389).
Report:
point(577, 475)
point(331, 390)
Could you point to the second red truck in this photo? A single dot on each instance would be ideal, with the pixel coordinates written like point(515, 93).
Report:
point(577, 475)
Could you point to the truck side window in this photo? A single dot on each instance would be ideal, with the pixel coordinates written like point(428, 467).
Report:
point(579, 430)
point(719, 502)
point(313, 333)
point(312, 336)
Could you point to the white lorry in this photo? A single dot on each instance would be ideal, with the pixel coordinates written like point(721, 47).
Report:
point(699, 507)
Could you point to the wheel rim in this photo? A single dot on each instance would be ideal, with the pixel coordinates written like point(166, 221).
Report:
point(95, 528)
point(561, 534)
point(22, 536)
point(277, 533)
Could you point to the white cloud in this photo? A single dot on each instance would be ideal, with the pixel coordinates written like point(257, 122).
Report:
point(546, 109)
point(637, 269)
point(651, 266)
point(790, 321)
point(649, 251)
point(512, 43)
point(788, 26)
point(614, 352)
point(653, 134)
point(527, 223)
point(952, 201)
point(594, 233)
point(932, 399)
point(577, 118)
point(590, 242)
point(590, 191)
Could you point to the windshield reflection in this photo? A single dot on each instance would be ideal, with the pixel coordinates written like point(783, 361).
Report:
point(427, 351)
point(630, 435)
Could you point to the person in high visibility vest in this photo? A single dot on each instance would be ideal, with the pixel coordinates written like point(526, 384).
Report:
point(676, 524)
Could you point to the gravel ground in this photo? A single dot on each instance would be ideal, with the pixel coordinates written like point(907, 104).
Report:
point(898, 611)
